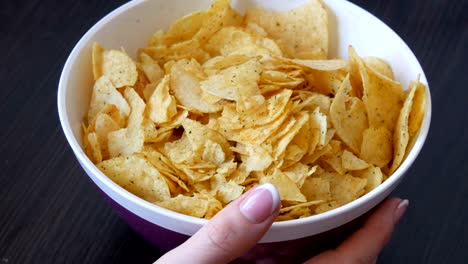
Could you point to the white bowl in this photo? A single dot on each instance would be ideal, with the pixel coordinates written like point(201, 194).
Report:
point(131, 25)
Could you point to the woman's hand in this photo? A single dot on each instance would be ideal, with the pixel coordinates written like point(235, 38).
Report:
point(239, 226)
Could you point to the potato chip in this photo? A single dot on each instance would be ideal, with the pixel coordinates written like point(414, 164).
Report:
point(382, 97)
point(255, 157)
point(105, 93)
point(136, 175)
point(129, 140)
point(306, 204)
point(299, 172)
point(417, 110)
point(373, 175)
point(103, 126)
point(346, 188)
point(116, 65)
point(182, 50)
point(316, 188)
point(188, 205)
point(287, 189)
point(93, 148)
point(325, 207)
point(350, 162)
point(161, 104)
point(349, 122)
point(380, 66)
point(157, 39)
point(184, 28)
point(186, 87)
point(401, 134)
point(377, 146)
point(152, 70)
point(301, 32)
point(234, 81)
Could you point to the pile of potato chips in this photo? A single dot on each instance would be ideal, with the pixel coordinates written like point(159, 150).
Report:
point(222, 102)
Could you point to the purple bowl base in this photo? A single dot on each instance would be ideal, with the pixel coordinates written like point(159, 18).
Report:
point(293, 251)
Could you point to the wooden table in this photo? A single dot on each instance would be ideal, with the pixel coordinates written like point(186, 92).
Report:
point(50, 212)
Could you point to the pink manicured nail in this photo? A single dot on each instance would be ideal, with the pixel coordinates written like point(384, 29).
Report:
point(400, 210)
point(260, 203)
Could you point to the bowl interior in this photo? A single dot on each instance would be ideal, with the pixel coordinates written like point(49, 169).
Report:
point(131, 25)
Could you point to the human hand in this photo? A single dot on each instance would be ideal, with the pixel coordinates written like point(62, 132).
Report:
point(239, 226)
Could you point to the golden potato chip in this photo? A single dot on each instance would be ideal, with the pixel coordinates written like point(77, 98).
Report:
point(184, 28)
point(319, 152)
point(219, 15)
point(129, 140)
point(306, 204)
point(287, 189)
point(301, 32)
point(280, 146)
point(373, 175)
point(255, 157)
point(136, 175)
point(325, 207)
point(234, 81)
point(198, 135)
point(318, 126)
point(97, 52)
point(351, 162)
point(417, 110)
point(104, 93)
point(377, 147)
point(346, 188)
point(161, 104)
point(225, 191)
point(157, 39)
point(116, 65)
point(280, 78)
point(320, 65)
point(103, 126)
point(152, 70)
point(188, 205)
point(189, 49)
point(186, 87)
point(382, 97)
point(349, 122)
point(379, 66)
point(316, 188)
point(299, 172)
point(401, 134)
point(93, 148)
point(218, 63)
point(165, 168)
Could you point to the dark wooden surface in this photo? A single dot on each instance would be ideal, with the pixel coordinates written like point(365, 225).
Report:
point(51, 213)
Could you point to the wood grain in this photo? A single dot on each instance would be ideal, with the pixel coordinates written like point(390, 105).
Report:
point(51, 213)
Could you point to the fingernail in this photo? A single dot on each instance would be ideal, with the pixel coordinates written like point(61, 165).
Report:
point(260, 203)
point(400, 210)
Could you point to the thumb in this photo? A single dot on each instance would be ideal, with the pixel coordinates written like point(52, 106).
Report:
point(233, 231)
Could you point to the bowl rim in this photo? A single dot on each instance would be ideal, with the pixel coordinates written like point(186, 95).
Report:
point(85, 161)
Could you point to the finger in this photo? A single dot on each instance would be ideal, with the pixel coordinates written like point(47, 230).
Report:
point(365, 244)
point(232, 232)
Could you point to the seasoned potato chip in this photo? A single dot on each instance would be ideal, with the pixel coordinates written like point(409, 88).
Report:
point(373, 175)
point(161, 104)
point(382, 97)
point(151, 68)
point(186, 86)
point(105, 93)
point(104, 125)
point(401, 134)
point(184, 28)
point(379, 66)
point(235, 81)
point(287, 189)
point(301, 32)
point(93, 148)
point(377, 146)
point(219, 15)
point(138, 176)
point(188, 205)
point(349, 122)
point(116, 65)
point(351, 162)
point(417, 110)
point(129, 140)
point(255, 157)
point(346, 188)
point(316, 188)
